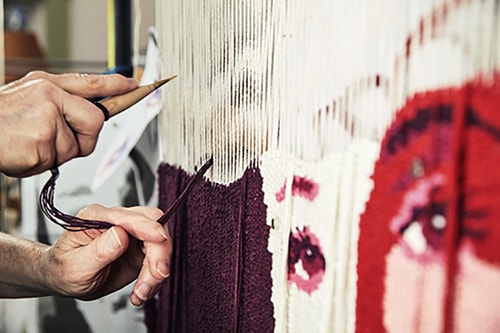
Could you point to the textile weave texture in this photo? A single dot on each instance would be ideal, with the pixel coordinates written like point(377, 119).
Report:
point(429, 251)
point(220, 275)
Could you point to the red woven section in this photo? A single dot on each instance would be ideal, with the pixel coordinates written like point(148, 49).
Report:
point(438, 158)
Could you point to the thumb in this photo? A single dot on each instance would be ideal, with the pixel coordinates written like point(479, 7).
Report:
point(107, 247)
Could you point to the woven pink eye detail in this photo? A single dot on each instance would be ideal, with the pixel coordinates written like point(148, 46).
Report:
point(301, 187)
point(306, 263)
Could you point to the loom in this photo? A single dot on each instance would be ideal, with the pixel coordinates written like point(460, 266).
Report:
point(348, 191)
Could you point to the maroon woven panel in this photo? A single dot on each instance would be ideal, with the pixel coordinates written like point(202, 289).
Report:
point(221, 269)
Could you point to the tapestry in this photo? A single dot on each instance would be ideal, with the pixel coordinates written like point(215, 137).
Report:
point(353, 185)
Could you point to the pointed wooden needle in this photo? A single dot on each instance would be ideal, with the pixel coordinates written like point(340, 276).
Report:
point(113, 105)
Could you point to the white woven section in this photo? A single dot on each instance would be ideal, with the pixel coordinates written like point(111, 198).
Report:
point(332, 217)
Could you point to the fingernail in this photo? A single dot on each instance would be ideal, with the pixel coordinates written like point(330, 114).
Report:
point(163, 269)
point(136, 301)
point(143, 291)
point(163, 233)
point(115, 240)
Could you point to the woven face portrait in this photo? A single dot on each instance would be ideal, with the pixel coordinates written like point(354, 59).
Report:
point(429, 238)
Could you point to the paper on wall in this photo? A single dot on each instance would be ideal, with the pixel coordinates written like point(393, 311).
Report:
point(127, 127)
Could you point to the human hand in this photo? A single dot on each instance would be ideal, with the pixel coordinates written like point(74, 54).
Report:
point(47, 120)
point(92, 263)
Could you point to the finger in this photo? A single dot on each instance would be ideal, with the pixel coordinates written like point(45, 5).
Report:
point(67, 145)
point(139, 222)
point(105, 249)
point(105, 261)
point(45, 126)
point(72, 114)
point(78, 121)
point(73, 240)
point(85, 120)
point(145, 287)
point(155, 270)
point(153, 214)
point(87, 85)
point(36, 151)
point(158, 258)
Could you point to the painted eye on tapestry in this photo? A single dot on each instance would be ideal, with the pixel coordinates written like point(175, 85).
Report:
point(423, 233)
point(421, 218)
point(302, 187)
point(306, 263)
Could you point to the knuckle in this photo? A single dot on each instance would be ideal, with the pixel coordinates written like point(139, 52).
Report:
point(88, 138)
point(156, 212)
point(43, 161)
point(151, 276)
point(47, 120)
point(42, 142)
point(156, 276)
point(102, 254)
point(45, 87)
point(73, 150)
point(69, 152)
point(150, 213)
point(92, 80)
point(36, 74)
point(90, 210)
point(39, 163)
point(48, 109)
point(86, 150)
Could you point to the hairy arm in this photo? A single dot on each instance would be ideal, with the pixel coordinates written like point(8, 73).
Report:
point(23, 266)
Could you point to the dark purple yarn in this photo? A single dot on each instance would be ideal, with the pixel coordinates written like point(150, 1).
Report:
point(221, 268)
point(68, 222)
point(74, 223)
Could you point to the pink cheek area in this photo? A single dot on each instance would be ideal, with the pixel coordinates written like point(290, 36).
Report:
point(477, 300)
point(413, 294)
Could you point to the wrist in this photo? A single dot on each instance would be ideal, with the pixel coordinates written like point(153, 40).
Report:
point(24, 270)
point(47, 273)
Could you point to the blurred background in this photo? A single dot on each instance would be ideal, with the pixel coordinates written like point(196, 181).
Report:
point(67, 35)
